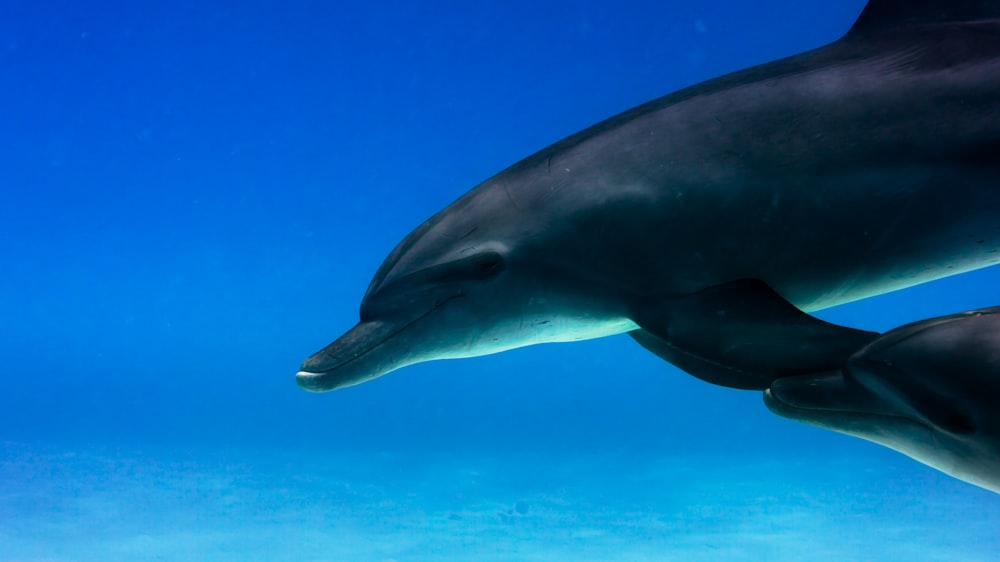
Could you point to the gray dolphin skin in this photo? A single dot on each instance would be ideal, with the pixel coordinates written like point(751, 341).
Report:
point(708, 222)
point(930, 390)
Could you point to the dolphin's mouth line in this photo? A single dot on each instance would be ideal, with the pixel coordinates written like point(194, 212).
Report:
point(385, 338)
point(771, 399)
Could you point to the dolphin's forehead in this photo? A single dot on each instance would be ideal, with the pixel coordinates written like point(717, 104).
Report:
point(944, 372)
point(956, 355)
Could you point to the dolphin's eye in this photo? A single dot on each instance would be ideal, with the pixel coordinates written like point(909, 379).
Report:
point(486, 265)
point(958, 423)
point(435, 284)
point(478, 267)
point(949, 418)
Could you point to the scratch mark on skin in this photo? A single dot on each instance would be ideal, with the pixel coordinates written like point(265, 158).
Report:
point(506, 189)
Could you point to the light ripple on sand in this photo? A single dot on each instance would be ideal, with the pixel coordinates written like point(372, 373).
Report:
point(59, 505)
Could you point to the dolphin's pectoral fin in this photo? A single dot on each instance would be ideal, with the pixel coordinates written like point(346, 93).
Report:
point(743, 335)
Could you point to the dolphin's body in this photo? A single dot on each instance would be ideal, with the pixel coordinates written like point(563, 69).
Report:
point(930, 390)
point(703, 223)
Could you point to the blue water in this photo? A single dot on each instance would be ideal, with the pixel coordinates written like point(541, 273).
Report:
point(193, 198)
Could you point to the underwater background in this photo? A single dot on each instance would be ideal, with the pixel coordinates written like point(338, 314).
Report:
point(193, 199)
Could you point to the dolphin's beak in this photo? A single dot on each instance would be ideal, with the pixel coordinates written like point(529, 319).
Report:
point(834, 401)
point(356, 357)
point(819, 392)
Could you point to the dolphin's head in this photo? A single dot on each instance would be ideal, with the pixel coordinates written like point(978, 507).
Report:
point(463, 284)
point(930, 390)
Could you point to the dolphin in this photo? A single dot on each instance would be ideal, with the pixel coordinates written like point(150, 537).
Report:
point(930, 390)
point(708, 223)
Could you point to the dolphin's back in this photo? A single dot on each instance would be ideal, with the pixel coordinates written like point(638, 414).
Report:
point(853, 158)
point(882, 14)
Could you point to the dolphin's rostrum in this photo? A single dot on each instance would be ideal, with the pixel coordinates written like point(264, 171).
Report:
point(706, 222)
point(930, 390)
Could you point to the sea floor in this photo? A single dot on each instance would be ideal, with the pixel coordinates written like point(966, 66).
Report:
point(167, 504)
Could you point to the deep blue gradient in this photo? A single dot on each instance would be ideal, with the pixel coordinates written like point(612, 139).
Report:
point(195, 195)
point(195, 198)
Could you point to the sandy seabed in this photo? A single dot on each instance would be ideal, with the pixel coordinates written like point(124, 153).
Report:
point(107, 504)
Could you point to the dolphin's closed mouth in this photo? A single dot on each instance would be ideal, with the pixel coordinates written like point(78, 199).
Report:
point(329, 368)
point(835, 419)
point(825, 401)
point(316, 372)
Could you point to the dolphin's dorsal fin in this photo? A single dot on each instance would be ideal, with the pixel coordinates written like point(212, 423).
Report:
point(885, 14)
